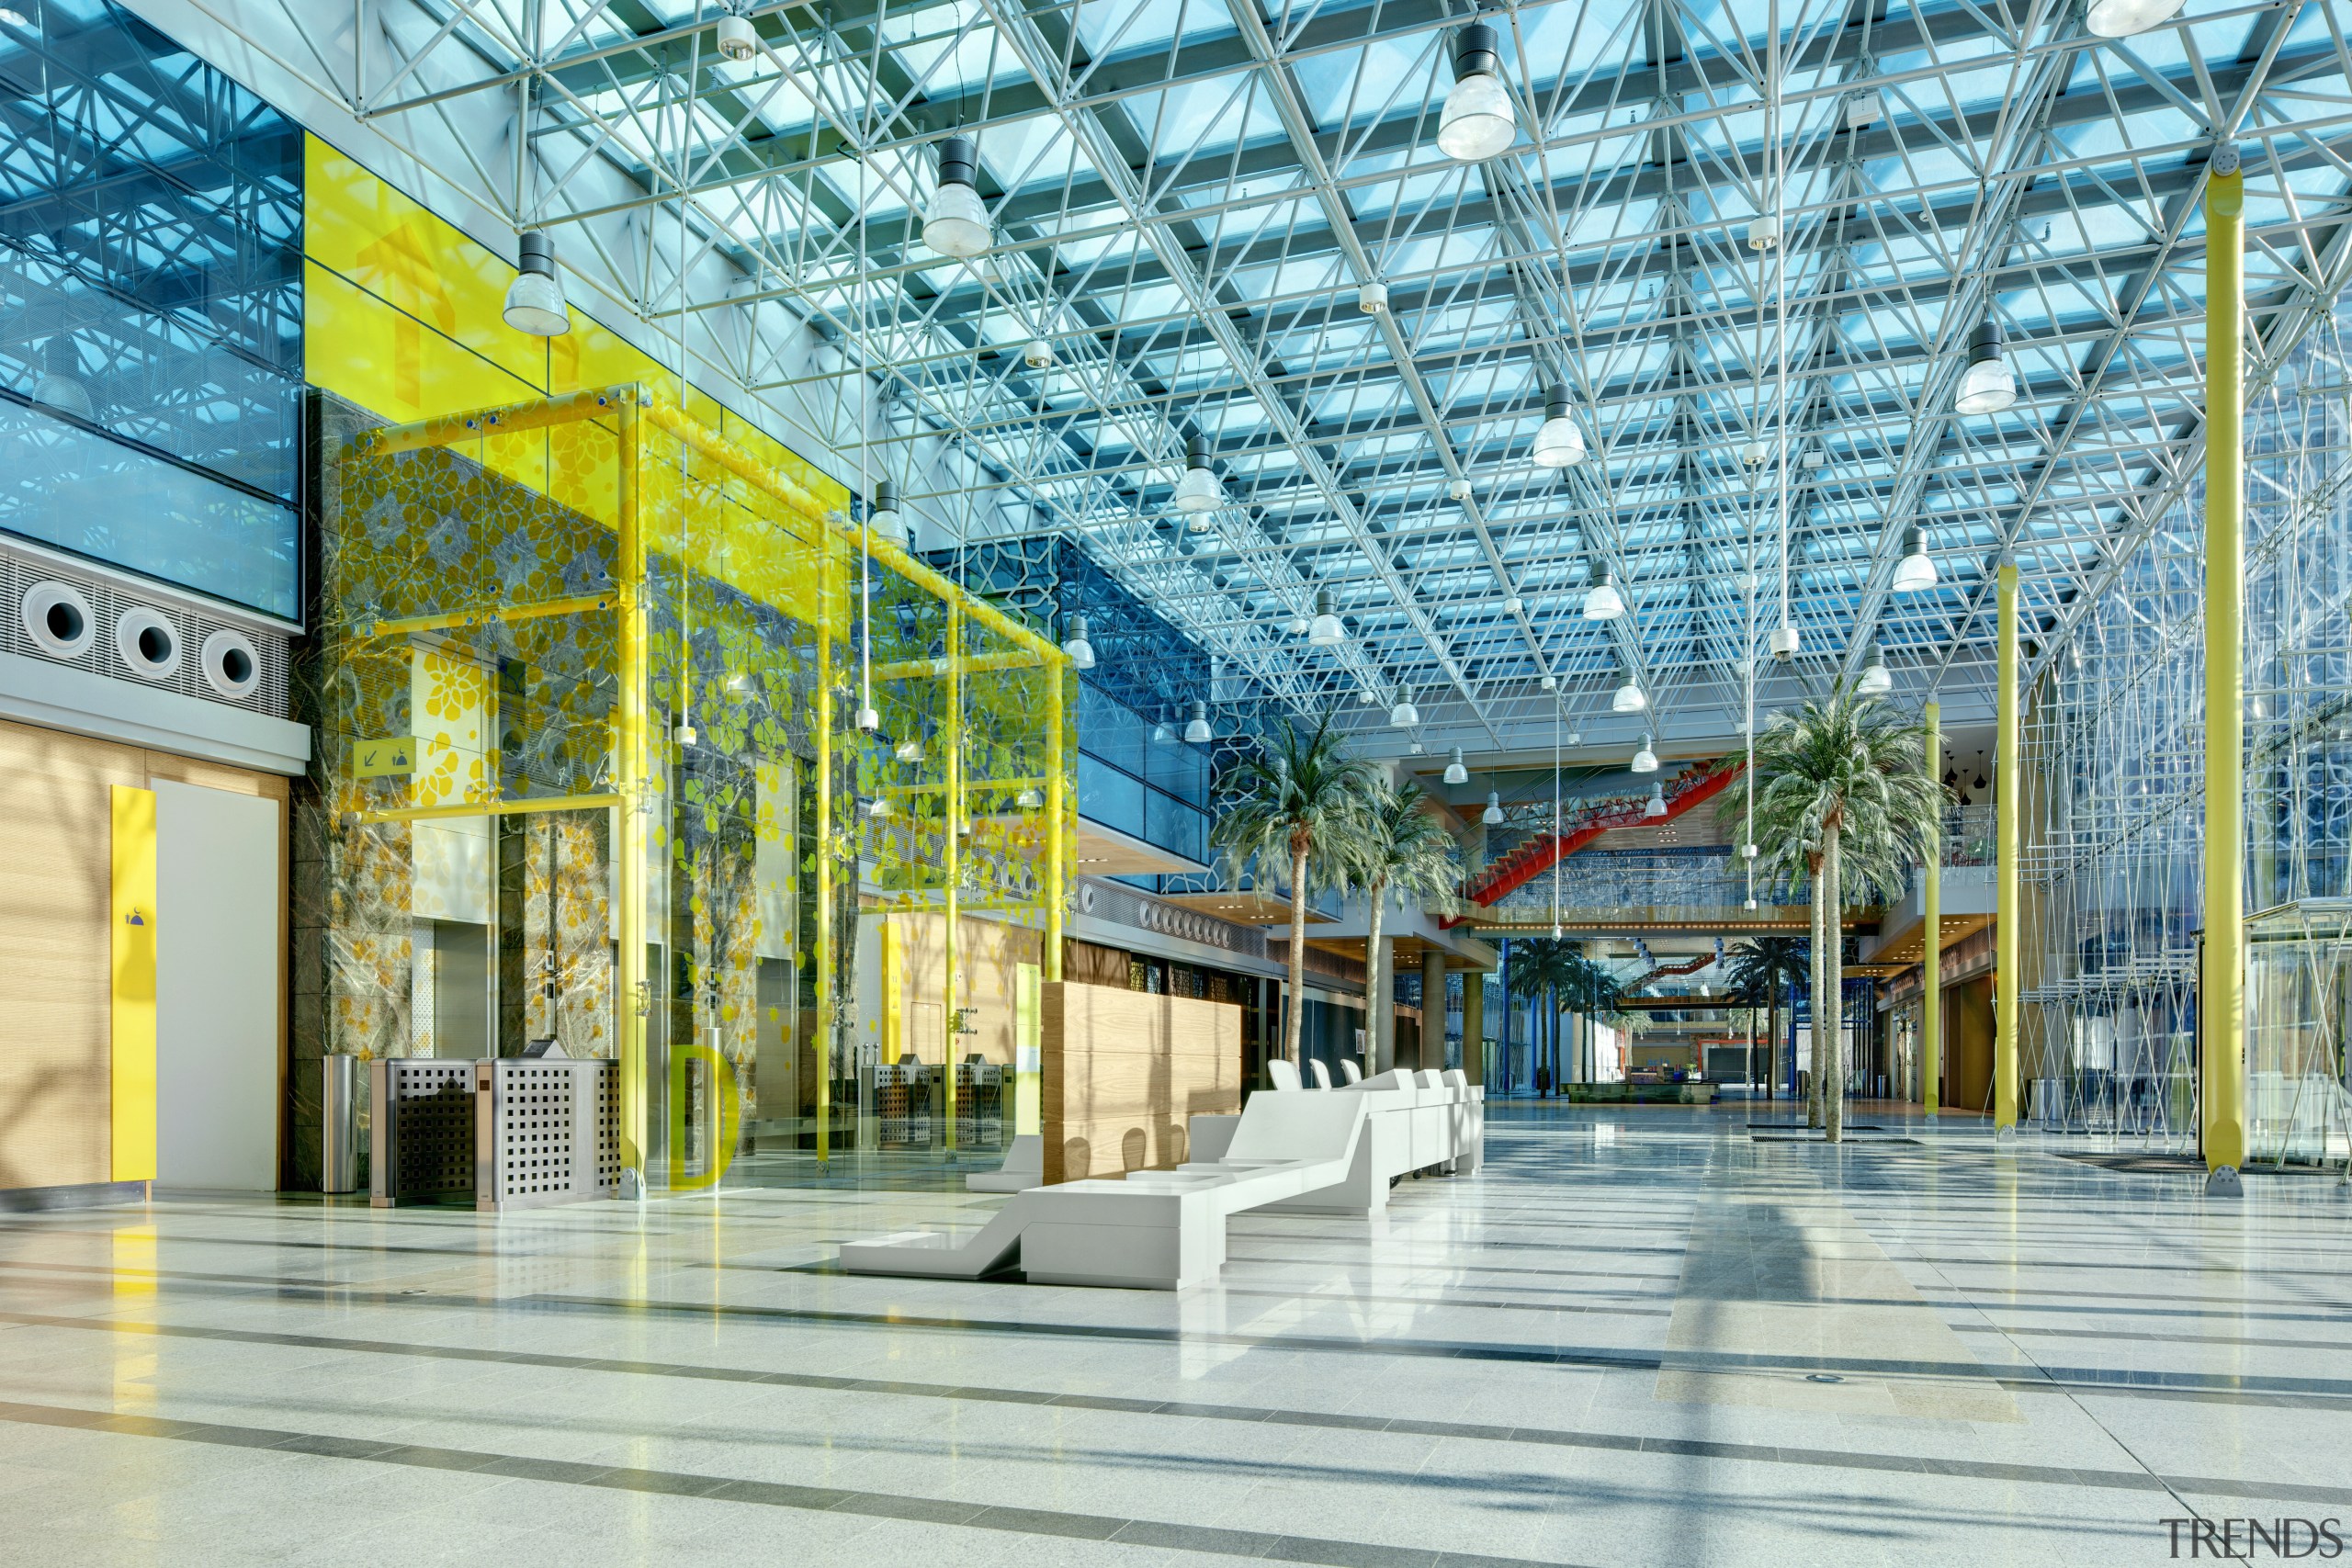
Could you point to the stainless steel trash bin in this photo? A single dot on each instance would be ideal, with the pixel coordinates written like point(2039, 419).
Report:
point(339, 1140)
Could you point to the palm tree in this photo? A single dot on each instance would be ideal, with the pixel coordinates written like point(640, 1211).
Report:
point(1844, 802)
point(1399, 847)
point(1300, 798)
point(1556, 966)
point(1759, 968)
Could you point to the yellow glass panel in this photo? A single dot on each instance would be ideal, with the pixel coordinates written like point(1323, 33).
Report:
point(394, 248)
point(132, 1043)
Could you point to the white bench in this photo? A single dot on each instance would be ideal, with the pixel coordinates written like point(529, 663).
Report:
point(1024, 1166)
point(1158, 1229)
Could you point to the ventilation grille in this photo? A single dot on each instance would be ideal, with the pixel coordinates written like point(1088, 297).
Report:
point(19, 573)
point(534, 1131)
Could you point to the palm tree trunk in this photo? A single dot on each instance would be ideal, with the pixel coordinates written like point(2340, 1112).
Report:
point(1773, 1034)
point(1379, 994)
point(1813, 1117)
point(1297, 1009)
point(1830, 965)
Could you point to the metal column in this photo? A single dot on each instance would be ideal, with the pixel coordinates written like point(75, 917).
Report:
point(634, 999)
point(2222, 989)
point(2007, 784)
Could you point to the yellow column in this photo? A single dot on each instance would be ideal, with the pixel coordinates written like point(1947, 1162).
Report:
point(131, 1019)
point(828, 841)
point(1055, 873)
point(635, 999)
point(1931, 1004)
point(952, 733)
point(2221, 986)
point(2006, 785)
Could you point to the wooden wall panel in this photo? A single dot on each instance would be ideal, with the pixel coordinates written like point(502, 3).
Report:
point(56, 941)
point(1124, 1070)
point(989, 956)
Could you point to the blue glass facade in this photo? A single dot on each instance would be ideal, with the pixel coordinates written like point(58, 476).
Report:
point(151, 307)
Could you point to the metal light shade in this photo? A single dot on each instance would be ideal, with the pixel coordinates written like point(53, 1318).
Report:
point(1656, 803)
point(1454, 771)
point(1917, 570)
point(1327, 630)
point(956, 223)
point(1404, 716)
point(1629, 698)
point(1987, 385)
point(1028, 800)
point(2123, 19)
point(1198, 490)
point(60, 386)
point(1559, 443)
point(1198, 731)
point(884, 519)
point(868, 720)
point(1754, 454)
point(1493, 815)
point(1080, 650)
point(1876, 679)
point(1764, 234)
point(535, 300)
point(737, 39)
point(910, 749)
point(1601, 601)
point(1477, 120)
point(1645, 760)
point(1038, 355)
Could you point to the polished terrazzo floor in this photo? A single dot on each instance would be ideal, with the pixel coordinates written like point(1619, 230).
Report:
point(1639, 1337)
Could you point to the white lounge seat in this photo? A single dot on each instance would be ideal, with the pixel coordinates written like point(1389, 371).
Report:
point(1024, 1166)
point(1283, 1072)
point(1349, 1071)
point(1158, 1229)
point(1321, 1073)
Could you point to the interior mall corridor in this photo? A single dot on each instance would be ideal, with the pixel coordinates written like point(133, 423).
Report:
point(1638, 1336)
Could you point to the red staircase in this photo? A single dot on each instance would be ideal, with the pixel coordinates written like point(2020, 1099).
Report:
point(1537, 855)
point(1662, 970)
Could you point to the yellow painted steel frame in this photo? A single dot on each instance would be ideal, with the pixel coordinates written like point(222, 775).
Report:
point(2221, 988)
point(1931, 978)
point(132, 1016)
point(645, 503)
point(2006, 783)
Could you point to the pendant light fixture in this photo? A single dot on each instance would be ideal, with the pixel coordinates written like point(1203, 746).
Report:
point(910, 749)
point(1198, 732)
point(1198, 490)
point(1656, 803)
point(1477, 120)
point(1917, 570)
point(535, 300)
point(1404, 716)
point(2126, 19)
point(60, 386)
point(956, 223)
point(1326, 631)
point(1078, 646)
point(1455, 772)
point(1764, 234)
point(1559, 443)
point(1987, 385)
point(886, 520)
point(1038, 355)
point(1876, 681)
point(738, 38)
point(1493, 816)
point(1601, 601)
point(1645, 760)
point(1629, 698)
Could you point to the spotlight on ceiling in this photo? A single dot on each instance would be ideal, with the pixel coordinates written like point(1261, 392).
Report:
point(1764, 234)
point(1628, 697)
point(1559, 443)
point(1601, 601)
point(1038, 355)
point(1328, 631)
point(2125, 19)
point(1549, 683)
point(1784, 642)
point(1876, 679)
point(1987, 385)
point(1454, 771)
point(535, 300)
point(1477, 121)
point(956, 223)
point(1077, 645)
point(737, 39)
point(1372, 298)
point(1198, 490)
point(1917, 570)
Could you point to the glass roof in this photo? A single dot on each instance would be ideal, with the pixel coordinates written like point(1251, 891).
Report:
point(1186, 197)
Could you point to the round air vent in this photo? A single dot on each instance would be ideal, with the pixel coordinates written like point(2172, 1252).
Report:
point(58, 620)
point(232, 667)
point(149, 643)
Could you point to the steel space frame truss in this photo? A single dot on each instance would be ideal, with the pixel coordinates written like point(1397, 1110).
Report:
point(1184, 207)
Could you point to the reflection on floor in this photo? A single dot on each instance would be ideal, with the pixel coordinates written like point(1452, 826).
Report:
point(1640, 1337)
